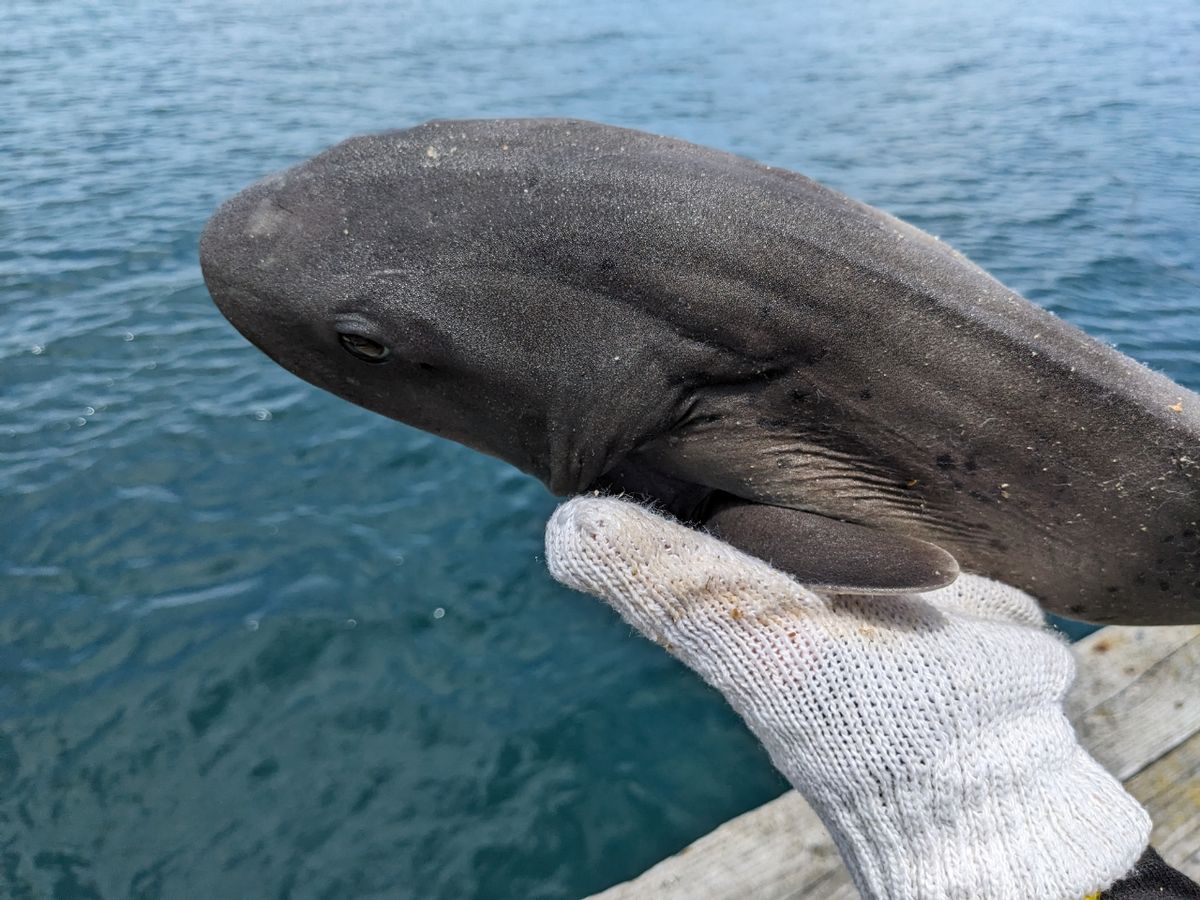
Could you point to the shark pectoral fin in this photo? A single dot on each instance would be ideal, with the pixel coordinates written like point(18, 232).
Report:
point(829, 555)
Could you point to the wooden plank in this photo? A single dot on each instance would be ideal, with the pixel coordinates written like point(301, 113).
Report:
point(1136, 705)
point(779, 850)
point(1154, 711)
point(1152, 714)
point(1113, 658)
point(1170, 789)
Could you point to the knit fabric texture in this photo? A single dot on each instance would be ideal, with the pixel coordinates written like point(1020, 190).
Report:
point(927, 731)
point(1152, 879)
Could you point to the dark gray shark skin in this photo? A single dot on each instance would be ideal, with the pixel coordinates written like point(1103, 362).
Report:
point(821, 384)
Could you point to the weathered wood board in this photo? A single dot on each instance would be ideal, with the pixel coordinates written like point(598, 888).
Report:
point(1136, 706)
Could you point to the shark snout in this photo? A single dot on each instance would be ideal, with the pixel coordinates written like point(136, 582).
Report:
point(247, 253)
point(237, 239)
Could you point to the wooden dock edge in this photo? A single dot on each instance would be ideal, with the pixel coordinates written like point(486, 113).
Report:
point(1135, 705)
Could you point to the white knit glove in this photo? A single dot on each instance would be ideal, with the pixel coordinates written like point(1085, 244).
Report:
point(927, 731)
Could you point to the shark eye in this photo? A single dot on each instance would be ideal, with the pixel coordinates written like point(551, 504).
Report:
point(363, 347)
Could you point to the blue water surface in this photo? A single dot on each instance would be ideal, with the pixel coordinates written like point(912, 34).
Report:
point(258, 643)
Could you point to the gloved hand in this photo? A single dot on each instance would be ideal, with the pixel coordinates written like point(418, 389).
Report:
point(927, 731)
